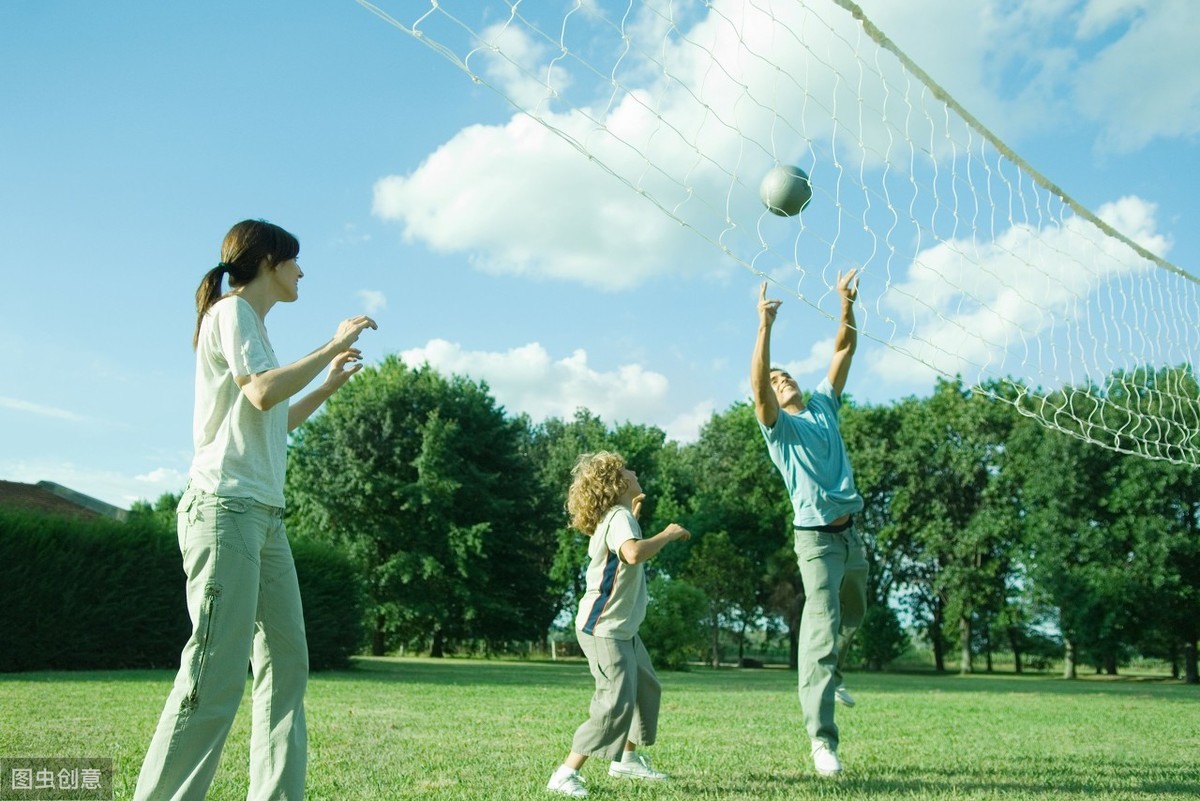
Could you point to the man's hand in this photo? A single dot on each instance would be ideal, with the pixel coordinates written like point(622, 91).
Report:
point(847, 285)
point(767, 308)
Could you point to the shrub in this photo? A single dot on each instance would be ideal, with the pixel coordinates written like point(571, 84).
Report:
point(87, 594)
point(98, 594)
point(880, 640)
point(674, 629)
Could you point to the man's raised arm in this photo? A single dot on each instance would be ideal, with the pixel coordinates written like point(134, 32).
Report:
point(846, 341)
point(766, 407)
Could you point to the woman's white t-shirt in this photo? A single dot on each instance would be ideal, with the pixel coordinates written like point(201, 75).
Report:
point(241, 452)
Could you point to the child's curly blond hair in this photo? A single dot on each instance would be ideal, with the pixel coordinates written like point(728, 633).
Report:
point(597, 484)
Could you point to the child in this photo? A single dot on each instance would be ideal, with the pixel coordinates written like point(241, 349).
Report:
point(604, 501)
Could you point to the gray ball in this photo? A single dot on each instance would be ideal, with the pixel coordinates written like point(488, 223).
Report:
point(785, 190)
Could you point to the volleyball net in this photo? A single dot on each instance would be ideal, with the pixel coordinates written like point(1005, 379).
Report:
point(980, 267)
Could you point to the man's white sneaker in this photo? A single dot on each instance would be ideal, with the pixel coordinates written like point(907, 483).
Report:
point(567, 782)
point(843, 696)
point(635, 766)
point(825, 760)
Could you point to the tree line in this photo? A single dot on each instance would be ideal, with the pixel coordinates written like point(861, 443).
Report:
point(988, 530)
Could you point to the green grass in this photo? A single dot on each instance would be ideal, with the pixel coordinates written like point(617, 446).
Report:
point(471, 730)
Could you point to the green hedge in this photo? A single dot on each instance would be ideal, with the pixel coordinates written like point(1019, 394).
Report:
point(99, 594)
point(334, 604)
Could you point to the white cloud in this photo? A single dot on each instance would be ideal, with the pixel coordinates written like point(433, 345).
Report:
point(1100, 15)
point(684, 134)
point(164, 477)
point(983, 309)
point(373, 300)
point(1038, 65)
point(42, 410)
point(527, 379)
point(523, 202)
point(817, 360)
point(686, 427)
point(1143, 85)
point(708, 100)
point(1012, 65)
point(518, 66)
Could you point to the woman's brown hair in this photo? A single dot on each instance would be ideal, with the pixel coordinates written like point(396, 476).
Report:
point(244, 250)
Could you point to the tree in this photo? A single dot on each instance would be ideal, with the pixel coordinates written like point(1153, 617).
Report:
point(1156, 503)
point(1074, 561)
point(738, 490)
point(1158, 508)
point(726, 578)
point(162, 510)
point(952, 513)
point(1112, 534)
point(426, 483)
point(870, 436)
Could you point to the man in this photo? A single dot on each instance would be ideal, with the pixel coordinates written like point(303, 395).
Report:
point(806, 445)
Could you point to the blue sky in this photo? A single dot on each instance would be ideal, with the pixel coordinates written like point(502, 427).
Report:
point(134, 134)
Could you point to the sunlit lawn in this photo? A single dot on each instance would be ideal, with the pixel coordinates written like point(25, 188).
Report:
point(460, 729)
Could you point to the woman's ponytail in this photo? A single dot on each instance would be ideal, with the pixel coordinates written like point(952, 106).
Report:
point(247, 246)
point(207, 294)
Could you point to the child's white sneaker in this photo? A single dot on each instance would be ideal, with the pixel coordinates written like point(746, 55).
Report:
point(635, 766)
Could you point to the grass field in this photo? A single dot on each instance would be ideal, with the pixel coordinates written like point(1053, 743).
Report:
point(471, 730)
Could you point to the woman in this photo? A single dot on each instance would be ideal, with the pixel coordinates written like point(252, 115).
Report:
point(242, 594)
point(604, 501)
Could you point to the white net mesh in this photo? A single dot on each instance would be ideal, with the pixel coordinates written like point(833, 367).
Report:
point(979, 266)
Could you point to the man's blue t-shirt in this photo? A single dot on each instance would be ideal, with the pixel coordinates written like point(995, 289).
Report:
point(811, 456)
